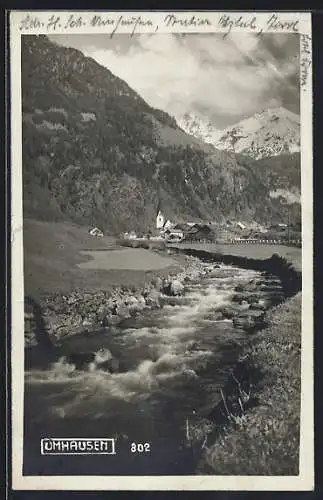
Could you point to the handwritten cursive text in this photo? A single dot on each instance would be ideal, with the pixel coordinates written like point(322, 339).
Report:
point(306, 59)
point(229, 22)
point(171, 21)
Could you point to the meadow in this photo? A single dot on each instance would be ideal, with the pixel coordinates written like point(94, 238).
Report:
point(62, 256)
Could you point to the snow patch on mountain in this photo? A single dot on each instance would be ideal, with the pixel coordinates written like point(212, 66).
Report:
point(268, 133)
point(199, 127)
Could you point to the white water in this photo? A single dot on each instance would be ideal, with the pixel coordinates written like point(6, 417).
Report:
point(175, 365)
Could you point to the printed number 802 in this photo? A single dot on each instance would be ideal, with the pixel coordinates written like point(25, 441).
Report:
point(140, 448)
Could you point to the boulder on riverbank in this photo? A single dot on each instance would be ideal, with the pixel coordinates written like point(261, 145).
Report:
point(249, 321)
point(152, 299)
point(173, 288)
point(176, 288)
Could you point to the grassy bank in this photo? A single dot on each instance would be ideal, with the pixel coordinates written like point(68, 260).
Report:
point(251, 251)
point(60, 257)
point(264, 438)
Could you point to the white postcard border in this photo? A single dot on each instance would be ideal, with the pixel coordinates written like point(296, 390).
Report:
point(252, 22)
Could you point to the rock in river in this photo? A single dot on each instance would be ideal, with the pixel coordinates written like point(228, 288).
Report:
point(229, 312)
point(258, 306)
point(176, 288)
point(245, 297)
point(251, 286)
point(112, 365)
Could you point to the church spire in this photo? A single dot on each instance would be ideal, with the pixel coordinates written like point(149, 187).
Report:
point(158, 206)
point(160, 220)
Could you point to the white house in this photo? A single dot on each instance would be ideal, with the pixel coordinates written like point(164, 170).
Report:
point(96, 232)
point(168, 225)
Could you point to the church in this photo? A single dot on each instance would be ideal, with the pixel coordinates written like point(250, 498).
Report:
point(162, 223)
point(167, 229)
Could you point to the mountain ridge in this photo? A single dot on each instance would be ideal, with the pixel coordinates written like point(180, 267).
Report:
point(270, 132)
point(94, 152)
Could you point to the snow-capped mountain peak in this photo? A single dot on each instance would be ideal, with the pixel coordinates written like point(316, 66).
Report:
point(199, 127)
point(271, 132)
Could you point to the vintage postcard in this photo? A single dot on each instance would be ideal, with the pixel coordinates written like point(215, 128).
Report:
point(162, 336)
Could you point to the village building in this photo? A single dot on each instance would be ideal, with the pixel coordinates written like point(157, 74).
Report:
point(96, 232)
point(200, 232)
point(278, 227)
point(180, 231)
point(173, 235)
point(168, 224)
point(183, 226)
point(129, 235)
point(162, 223)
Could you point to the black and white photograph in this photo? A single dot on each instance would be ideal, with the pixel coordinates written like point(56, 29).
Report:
point(161, 224)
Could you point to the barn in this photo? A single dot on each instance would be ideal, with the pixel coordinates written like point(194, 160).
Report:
point(200, 232)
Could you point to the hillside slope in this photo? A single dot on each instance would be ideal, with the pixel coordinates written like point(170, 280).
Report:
point(281, 176)
point(94, 152)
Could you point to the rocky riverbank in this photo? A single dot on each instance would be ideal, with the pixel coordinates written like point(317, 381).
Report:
point(61, 315)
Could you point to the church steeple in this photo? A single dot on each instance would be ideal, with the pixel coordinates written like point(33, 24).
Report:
point(160, 221)
point(160, 217)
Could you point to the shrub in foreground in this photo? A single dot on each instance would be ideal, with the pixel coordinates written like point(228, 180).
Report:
point(134, 243)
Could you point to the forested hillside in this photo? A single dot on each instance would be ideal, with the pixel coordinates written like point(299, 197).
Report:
point(95, 152)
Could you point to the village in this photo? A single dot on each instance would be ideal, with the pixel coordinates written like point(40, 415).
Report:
point(229, 231)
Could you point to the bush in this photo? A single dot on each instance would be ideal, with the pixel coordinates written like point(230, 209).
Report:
point(158, 245)
point(141, 244)
point(134, 244)
point(124, 243)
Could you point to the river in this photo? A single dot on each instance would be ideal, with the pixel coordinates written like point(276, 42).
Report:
point(173, 362)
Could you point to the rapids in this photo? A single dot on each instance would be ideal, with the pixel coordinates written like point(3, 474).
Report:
point(173, 361)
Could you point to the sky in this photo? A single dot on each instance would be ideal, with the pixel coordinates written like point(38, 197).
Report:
point(220, 79)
